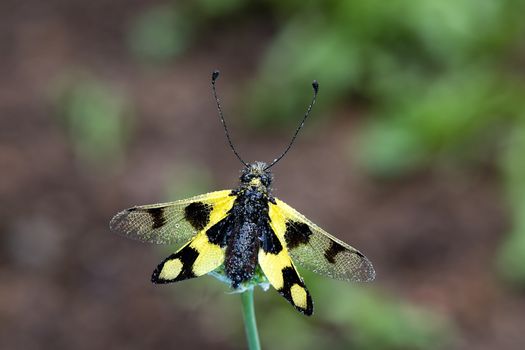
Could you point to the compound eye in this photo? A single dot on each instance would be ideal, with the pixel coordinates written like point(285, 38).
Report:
point(265, 180)
point(246, 177)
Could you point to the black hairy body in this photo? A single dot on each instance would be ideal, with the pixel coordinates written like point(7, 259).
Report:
point(247, 227)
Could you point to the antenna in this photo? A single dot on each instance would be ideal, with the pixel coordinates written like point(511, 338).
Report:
point(315, 85)
point(214, 77)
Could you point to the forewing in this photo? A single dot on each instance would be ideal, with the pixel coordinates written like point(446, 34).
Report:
point(174, 222)
point(315, 249)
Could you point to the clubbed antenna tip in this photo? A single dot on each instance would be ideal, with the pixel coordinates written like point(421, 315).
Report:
point(315, 85)
point(214, 75)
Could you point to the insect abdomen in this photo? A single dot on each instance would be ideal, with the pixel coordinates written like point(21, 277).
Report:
point(241, 253)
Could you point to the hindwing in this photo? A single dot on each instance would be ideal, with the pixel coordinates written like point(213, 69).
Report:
point(197, 258)
point(282, 275)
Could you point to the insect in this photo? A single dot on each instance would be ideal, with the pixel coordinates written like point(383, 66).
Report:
point(243, 232)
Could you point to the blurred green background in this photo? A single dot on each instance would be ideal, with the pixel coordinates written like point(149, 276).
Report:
point(413, 154)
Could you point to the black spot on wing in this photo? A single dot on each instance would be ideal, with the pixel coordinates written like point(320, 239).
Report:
point(291, 277)
point(332, 251)
point(270, 242)
point(187, 256)
point(157, 216)
point(218, 233)
point(297, 233)
point(198, 214)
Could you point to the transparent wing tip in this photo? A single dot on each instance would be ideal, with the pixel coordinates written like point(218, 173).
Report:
point(365, 272)
point(115, 224)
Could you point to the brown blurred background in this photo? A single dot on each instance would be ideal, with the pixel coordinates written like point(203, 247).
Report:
point(414, 154)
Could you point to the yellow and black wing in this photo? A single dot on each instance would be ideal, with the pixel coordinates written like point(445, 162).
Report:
point(177, 222)
point(315, 249)
point(282, 275)
point(174, 222)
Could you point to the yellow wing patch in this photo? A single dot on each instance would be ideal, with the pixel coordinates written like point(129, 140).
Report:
point(171, 269)
point(299, 296)
point(210, 255)
point(272, 266)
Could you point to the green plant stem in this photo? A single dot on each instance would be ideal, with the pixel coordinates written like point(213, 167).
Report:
point(250, 325)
